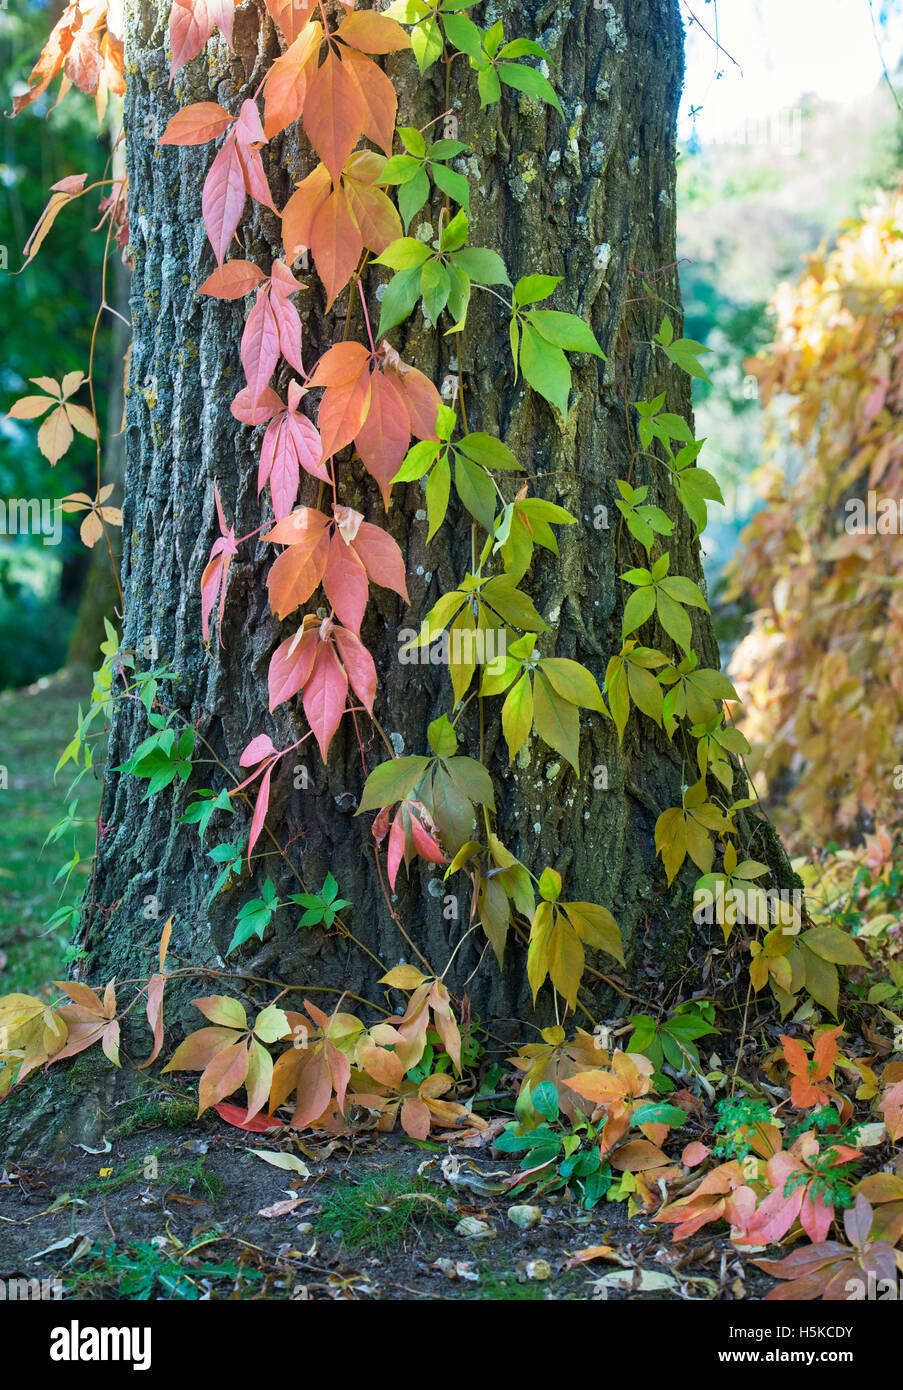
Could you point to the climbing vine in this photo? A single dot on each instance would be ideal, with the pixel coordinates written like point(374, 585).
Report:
point(438, 804)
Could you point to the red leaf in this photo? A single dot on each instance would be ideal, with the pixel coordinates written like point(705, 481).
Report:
point(424, 843)
point(289, 328)
point(256, 412)
point(324, 696)
point(381, 558)
point(190, 26)
point(191, 22)
point(335, 113)
point(257, 751)
point(223, 198)
point(415, 1118)
point(291, 665)
point(255, 176)
point(307, 444)
point(196, 124)
point(279, 467)
point(216, 572)
point(282, 280)
point(383, 439)
point(260, 810)
point(423, 401)
point(345, 583)
point(396, 847)
point(358, 664)
point(233, 280)
point(155, 987)
point(249, 130)
point(260, 344)
point(236, 1115)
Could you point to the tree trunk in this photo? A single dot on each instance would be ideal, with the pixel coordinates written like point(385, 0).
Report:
point(591, 199)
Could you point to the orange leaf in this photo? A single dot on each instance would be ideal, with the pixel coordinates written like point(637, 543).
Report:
point(336, 242)
point(223, 1075)
point(196, 124)
point(334, 113)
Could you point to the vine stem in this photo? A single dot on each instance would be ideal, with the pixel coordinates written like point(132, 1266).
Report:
point(99, 509)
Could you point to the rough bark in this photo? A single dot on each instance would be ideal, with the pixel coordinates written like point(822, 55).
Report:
point(591, 199)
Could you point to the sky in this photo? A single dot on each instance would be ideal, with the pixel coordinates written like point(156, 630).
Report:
point(785, 48)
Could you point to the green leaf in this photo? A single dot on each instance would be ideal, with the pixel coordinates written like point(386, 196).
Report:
point(674, 620)
point(403, 253)
point(434, 288)
point(514, 606)
point(454, 233)
point(458, 296)
point(413, 140)
point(392, 781)
point(544, 1099)
point(472, 779)
point(402, 293)
point(517, 716)
point(684, 591)
point(564, 330)
point(521, 48)
point(445, 149)
point(475, 489)
point(549, 885)
point(572, 682)
point(488, 86)
point(413, 195)
point(441, 736)
point(645, 691)
point(488, 451)
point(637, 609)
point(546, 369)
point(530, 288)
point(465, 35)
point(401, 168)
point(531, 81)
point(438, 487)
point(596, 927)
point(481, 265)
point(452, 183)
point(417, 461)
point(833, 945)
point(557, 722)
point(427, 44)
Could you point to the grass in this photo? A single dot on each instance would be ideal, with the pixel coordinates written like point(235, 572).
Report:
point(382, 1212)
point(35, 726)
point(143, 1271)
point(179, 1177)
